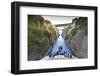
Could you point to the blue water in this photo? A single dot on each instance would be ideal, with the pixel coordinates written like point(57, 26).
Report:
point(65, 47)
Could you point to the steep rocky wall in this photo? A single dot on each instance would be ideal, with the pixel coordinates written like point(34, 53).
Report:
point(41, 35)
point(79, 43)
point(77, 36)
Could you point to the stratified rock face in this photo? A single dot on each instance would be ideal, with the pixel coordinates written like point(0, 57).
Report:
point(79, 43)
point(77, 36)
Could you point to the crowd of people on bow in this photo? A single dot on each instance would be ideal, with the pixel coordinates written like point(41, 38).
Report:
point(59, 52)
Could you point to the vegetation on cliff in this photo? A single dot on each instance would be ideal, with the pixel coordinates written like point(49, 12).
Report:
point(41, 36)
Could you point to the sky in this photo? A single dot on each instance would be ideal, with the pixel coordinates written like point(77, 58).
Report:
point(59, 19)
